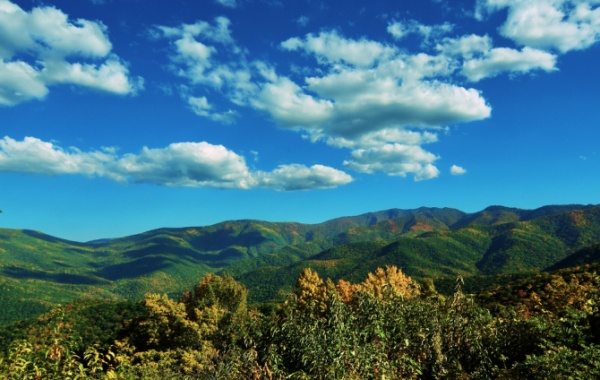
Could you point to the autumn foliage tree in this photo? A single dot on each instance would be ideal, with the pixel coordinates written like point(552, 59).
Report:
point(389, 282)
point(312, 292)
point(185, 337)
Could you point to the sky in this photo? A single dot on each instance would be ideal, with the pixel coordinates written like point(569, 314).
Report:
point(117, 117)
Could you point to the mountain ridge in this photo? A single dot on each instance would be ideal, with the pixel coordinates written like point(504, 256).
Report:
point(40, 269)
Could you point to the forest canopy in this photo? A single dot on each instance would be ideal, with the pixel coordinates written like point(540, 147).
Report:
point(386, 327)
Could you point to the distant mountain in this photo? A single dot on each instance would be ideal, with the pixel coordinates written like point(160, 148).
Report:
point(495, 241)
point(499, 214)
point(37, 271)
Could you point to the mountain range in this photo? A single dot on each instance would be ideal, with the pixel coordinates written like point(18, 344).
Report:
point(38, 271)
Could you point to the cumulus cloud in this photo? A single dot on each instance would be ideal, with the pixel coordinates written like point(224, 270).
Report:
point(189, 164)
point(20, 82)
point(501, 60)
point(300, 177)
point(400, 29)
point(481, 60)
point(365, 101)
point(110, 76)
point(383, 104)
point(201, 107)
point(43, 47)
point(384, 136)
point(387, 99)
point(561, 25)
point(466, 46)
point(394, 159)
point(287, 103)
point(206, 55)
point(34, 156)
point(184, 164)
point(457, 170)
point(384, 121)
point(330, 47)
point(427, 172)
point(397, 30)
point(380, 101)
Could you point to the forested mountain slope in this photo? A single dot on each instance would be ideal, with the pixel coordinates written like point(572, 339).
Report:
point(38, 271)
point(473, 249)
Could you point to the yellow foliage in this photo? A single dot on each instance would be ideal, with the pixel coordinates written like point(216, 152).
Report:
point(389, 282)
point(311, 291)
point(167, 322)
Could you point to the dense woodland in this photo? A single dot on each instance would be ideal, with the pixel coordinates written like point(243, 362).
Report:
point(386, 327)
point(424, 294)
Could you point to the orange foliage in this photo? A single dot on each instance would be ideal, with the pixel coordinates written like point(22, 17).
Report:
point(345, 290)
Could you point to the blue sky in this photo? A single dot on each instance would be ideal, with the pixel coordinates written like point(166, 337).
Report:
point(118, 117)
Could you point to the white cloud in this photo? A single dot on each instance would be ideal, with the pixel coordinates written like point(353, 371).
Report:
point(287, 103)
point(382, 108)
point(397, 29)
point(427, 172)
point(34, 156)
point(364, 101)
point(206, 55)
point(111, 76)
point(43, 47)
point(501, 60)
point(219, 32)
point(330, 47)
point(193, 50)
point(366, 94)
point(20, 82)
point(201, 107)
point(185, 164)
point(299, 177)
point(82, 37)
point(379, 101)
point(457, 170)
point(383, 137)
point(561, 25)
point(189, 164)
point(382, 120)
point(394, 159)
point(481, 60)
point(400, 29)
point(466, 46)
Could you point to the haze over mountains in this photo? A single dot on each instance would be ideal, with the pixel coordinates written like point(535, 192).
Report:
point(38, 271)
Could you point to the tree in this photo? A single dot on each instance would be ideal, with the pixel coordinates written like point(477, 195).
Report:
point(389, 281)
point(189, 337)
point(312, 293)
point(222, 298)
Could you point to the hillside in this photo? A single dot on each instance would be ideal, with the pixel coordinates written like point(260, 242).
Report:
point(474, 249)
point(585, 256)
point(40, 271)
